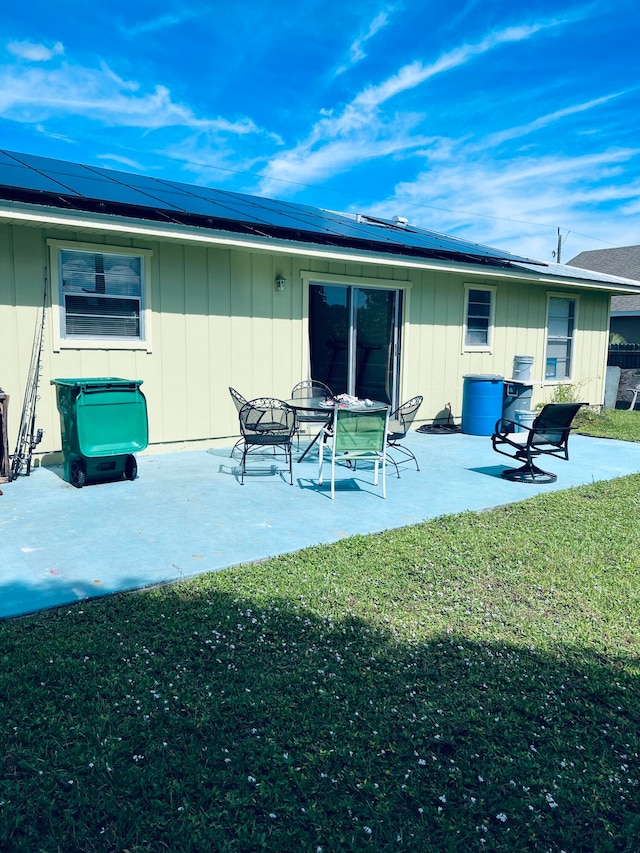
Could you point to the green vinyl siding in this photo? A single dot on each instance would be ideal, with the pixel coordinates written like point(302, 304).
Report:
point(218, 320)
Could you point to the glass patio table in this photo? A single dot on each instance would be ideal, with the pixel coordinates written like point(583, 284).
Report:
point(319, 405)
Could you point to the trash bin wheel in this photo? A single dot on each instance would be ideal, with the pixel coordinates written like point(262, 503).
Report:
point(130, 467)
point(78, 473)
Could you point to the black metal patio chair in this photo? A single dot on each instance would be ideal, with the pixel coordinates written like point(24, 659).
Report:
point(310, 388)
point(547, 436)
point(239, 401)
point(267, 422)
point(400, 422)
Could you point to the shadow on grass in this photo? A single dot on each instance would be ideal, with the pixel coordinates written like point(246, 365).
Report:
point(184, 719)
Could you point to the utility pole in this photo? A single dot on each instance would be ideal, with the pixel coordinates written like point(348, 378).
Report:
point(558, 254)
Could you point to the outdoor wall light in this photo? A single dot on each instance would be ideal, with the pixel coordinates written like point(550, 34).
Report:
point(281, 283)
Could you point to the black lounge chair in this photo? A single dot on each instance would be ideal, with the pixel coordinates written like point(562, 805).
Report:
point(267, 422)
point(400, 423)
point(548, 435)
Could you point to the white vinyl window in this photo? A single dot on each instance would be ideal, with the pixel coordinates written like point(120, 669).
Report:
point(478, 321)
point(102, 296)
point(561, 323)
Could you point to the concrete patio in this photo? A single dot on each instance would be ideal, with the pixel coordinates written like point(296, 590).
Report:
point(187, 513)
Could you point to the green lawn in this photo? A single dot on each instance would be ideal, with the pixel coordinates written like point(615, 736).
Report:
point(468, 684)
point(610, 423)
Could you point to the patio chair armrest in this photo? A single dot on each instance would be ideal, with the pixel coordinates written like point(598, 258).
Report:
point(517, 440)
point(505, 426)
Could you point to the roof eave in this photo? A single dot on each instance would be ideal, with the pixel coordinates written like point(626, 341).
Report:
point(111, 223)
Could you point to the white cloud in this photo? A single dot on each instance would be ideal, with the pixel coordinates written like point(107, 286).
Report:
point(34, 52)
point(416, 73)
point(34, 95)
point(338, 155)
point(355, 134)
point(546, 120)
point(356, 51)
point(162, 22)
point(491, 202)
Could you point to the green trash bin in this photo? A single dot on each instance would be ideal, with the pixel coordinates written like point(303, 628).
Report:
point(103, 423)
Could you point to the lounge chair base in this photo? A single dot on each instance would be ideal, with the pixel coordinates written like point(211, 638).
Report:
point(528, 474)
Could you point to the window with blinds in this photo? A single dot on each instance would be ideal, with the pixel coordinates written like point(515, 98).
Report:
point(101, 295)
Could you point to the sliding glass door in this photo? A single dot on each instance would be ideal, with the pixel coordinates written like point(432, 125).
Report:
point(354, 339)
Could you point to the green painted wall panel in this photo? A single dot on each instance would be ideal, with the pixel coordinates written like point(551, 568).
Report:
point(217, 320)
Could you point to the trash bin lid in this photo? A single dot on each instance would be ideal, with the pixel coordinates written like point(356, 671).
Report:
point(486, 377)
point(96, 382)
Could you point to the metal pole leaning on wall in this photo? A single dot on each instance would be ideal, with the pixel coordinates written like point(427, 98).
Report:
point(28, 436)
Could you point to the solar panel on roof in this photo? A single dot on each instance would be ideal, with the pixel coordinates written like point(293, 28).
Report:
point(284, 219)
point(226, 205)
point(21, 176)
point(168, 195)
point(52, 167)
point(410, 238)
point(297, 217)
point(257, 210)
point(195, 204)
point(5, 157)
point(420, 238)
point(100, 190)
point(275, 218)
point(389, 233)
point(138, 182)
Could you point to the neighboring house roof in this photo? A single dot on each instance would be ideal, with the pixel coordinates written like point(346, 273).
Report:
point(40, 189)
point(623, 261)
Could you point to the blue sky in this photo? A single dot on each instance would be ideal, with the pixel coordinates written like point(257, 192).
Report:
point(498, 122)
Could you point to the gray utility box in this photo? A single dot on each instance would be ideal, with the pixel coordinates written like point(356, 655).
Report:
point(517, 397)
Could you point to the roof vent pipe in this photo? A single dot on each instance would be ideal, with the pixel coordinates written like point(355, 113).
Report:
point(401, 221)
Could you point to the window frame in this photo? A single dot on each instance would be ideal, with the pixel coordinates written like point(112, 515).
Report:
point(484, 347)
point(568, 379)
point(63, 342)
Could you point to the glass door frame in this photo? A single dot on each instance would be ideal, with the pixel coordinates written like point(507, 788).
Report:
point(402, 290)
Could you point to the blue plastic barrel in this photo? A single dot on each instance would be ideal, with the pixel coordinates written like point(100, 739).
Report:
point(481, 403)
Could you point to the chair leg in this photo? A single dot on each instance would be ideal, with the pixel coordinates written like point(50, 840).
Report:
point(243, 465)
point(394, 463)
point(400, 449)
point(333, 476)
point(320, 463)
